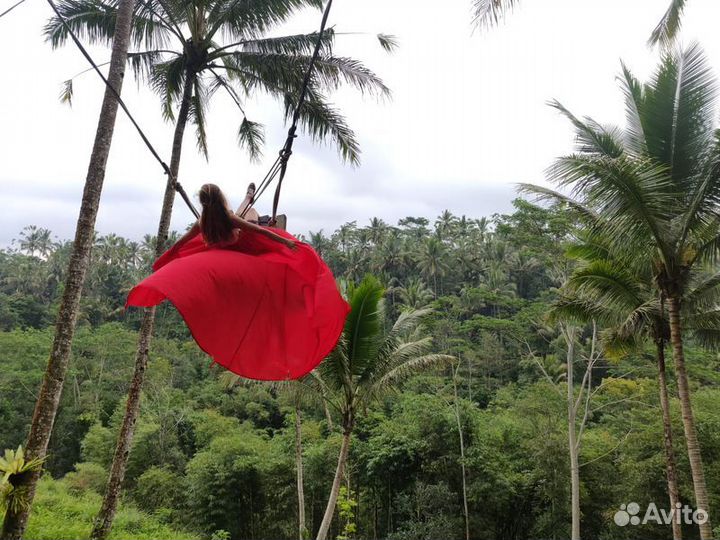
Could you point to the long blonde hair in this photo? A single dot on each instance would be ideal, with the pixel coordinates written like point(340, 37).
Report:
point(215, 221)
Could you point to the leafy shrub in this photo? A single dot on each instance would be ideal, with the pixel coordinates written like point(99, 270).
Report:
point(86, 477)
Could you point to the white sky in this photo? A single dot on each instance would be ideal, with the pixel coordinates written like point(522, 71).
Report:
point(467, 120)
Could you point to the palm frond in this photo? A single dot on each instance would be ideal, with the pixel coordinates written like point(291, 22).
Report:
point(617, 345)
point(678, 109)
point(584, 212)
point(333, 71)
point(66, 94)
point(239, 19)
point(389, 381)
point(707, 246)
point(388, 42)
point(322, 122)
point(609, 284)
point(251, 137)
point(197, 115)
point(298, 44)
point(591, 137)
point(94, 20)
point(634, 140)
point(143, 63)
point(581, 309)
point(363, 324)
point(702, 294)
point(667, 29)
point(489, 13)
point(636, 198)
point(168, 80)
point(702, 214)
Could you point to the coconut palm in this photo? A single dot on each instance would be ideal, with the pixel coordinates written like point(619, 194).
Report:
point(445, 224)
point(34, 239)
point(629, 303)
point(368, 363)
point(390, 255)
point(414, 294)
point(377, 230)
point(320, 242)
point(433, 259)
point(652, 190)
point(187, 52)
point(51, 390)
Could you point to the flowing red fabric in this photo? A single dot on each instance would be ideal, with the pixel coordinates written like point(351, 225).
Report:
point(260, 309)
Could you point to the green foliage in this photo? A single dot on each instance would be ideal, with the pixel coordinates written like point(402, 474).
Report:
point(346, 505)
point(14, 465)
point(87, 477)
point(58, 513)
point(218, 459)
point(158, 489)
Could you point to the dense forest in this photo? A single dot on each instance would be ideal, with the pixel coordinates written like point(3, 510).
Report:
point(552, 372)
point(214, 456)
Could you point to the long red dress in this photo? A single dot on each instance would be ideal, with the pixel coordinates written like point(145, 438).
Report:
point(257, 307)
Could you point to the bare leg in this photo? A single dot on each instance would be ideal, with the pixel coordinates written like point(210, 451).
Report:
point(251, 214)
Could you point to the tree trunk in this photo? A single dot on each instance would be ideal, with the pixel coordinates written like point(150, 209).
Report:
point(670, 467)
point(693, 447)
point(302, 530)
point(462, 454)
point(572, 440)
point(332, 501)
point(49, 397)
point(106, 515)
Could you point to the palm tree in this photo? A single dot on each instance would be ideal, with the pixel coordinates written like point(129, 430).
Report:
point(652, 190)
point(320, 242)
point(433, 261)
point(346, 234)
point(629, 303)
point(34, 239)
point(187, 77)
point(368, 363)
point(414, 294)
point(51, 390)
point(389, 255)
point(445, 224)
point(377, 230)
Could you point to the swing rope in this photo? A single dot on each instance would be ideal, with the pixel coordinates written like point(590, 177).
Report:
point(281, 163)
point(8, 10)
point(176, 185)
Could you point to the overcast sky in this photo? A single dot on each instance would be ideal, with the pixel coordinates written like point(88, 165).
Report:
point(467, 120)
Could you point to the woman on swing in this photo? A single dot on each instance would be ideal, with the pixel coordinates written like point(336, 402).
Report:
point(260, 302)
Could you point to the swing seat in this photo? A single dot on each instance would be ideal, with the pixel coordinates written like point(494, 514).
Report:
point(280, 221)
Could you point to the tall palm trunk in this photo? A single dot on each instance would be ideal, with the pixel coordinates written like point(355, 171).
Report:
point(335, 490)
point(49, 397)
point(693, 447)
point(106, 515)
point(302, 530)
point(670, 467)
